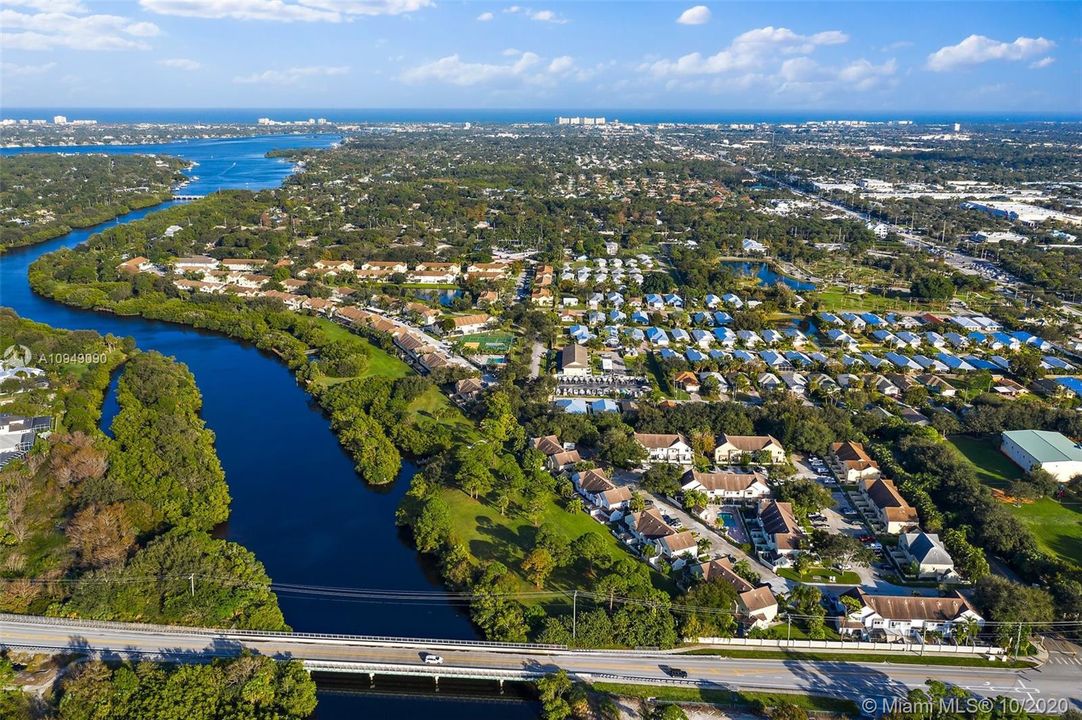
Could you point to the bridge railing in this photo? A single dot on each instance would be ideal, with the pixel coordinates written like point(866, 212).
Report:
point(272, 635)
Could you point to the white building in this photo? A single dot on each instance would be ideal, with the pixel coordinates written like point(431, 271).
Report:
point(665, 448)
point(1049, 451)
point(897, 617)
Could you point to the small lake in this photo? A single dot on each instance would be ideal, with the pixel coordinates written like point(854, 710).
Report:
point(766, 274)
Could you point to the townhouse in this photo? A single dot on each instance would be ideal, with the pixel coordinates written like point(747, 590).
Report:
point(727, 487)
point(665, 448)
point(735, 449)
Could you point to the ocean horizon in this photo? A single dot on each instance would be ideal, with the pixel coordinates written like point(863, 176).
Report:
point(518, 115)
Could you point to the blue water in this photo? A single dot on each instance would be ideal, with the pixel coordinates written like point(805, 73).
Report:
point(233, 163)
point(512, 115)
point(444, 297)
point(297, 502)
point(767, 275)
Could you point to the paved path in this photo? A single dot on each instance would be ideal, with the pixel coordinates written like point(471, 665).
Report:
point(719, 545)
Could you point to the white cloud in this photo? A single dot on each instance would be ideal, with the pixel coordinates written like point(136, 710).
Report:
point(485, 17)
point(977, 49)
point(803, 76)
point(181, 63)
point(291, 75)
point(561, 65)
point(527, 68)
point(48, 30)
point(12, 70)
point(283, 10)
point(538, 15)
point(698, 15)
point(454, 71)
point(861, 75)
point(749, 51)
point(1042, 63)
point(56, 6)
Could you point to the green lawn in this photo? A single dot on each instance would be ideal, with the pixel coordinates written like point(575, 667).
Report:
point(993, 467)
point(729, 698)
point(491, 536)
point(822, 575)
point(431, 406)
point(1057, 526)
point(380, 362)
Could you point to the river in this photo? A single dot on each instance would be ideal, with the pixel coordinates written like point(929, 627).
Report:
point(297, 503)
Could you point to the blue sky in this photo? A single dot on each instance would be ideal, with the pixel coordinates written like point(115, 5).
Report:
point(870, 56)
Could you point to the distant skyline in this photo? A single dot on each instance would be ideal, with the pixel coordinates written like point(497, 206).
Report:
point(874, 57)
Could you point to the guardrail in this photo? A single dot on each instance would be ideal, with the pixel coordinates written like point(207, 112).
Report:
point(927, 649)
point(443, 671)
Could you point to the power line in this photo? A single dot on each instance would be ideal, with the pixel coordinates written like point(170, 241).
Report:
point(432, 597)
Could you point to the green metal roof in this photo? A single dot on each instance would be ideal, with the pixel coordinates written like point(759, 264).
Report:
point(1046, 446)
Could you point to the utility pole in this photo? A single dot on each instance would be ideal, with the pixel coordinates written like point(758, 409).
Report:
point(788, 628)
point(191, 580)
point(574, 615)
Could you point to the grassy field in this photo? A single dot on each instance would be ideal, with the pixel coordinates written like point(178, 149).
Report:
point(993, 467)
point(380, 362)
point(822, 575)
point(431, 406)
point(1057, 526)
point(491, 536)
point(728, 698)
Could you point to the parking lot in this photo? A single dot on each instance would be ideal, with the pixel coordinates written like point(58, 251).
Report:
point(610, 385)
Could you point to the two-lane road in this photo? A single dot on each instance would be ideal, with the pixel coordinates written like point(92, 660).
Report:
point(857, 680)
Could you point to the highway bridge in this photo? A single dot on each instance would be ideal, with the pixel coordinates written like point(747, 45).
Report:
point(377, 656)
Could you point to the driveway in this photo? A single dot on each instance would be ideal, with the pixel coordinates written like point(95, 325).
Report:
point(719, 546)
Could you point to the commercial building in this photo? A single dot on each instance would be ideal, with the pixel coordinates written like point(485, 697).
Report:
point(1050, 451)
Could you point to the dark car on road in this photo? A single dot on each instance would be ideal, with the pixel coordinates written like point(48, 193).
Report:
point(675, 672)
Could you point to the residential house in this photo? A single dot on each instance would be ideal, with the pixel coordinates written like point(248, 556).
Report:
point(595, 486)
point(927, 553)
point(470, 323)
point(557, 457)
point(890, 507)
point(574, 361)
point(135, 265)
point(734, 449)
point(649, 528)
point(851, 463)
point(387, 266)
point(756, 606)
point(197, 263)
point(898, 617)
point(665, 448)
point(727, 487)
point(468, 389)
point(781, 529)
point(687, 381)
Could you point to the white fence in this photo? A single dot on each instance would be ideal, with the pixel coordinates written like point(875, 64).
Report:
point(910, 647)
